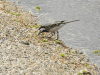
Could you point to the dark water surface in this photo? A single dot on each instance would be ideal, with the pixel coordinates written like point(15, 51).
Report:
point(84, 34)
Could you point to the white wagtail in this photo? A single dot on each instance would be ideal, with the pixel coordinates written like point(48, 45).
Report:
point(53, 27)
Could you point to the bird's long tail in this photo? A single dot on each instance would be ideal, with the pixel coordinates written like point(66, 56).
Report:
point(70, 21)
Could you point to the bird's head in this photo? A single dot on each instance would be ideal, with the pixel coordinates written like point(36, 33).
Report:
point(41, 29)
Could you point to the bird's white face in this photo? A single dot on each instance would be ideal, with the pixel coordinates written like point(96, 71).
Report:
point(39, 31)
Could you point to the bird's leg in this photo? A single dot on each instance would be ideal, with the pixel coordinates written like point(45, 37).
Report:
point(57, 35)
point(53, 33)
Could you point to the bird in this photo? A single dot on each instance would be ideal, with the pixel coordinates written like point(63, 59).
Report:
point(53, 27)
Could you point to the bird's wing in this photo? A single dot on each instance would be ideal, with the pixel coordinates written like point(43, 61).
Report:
point(56, 28)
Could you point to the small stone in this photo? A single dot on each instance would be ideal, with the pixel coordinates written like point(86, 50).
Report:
point(80, 52)
point(26, 43)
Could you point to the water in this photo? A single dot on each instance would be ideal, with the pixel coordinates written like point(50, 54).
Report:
point(84, 34)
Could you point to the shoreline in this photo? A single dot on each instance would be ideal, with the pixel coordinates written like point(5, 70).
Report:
point(39, 57)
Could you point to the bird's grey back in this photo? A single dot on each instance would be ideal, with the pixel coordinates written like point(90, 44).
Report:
point(57, 27)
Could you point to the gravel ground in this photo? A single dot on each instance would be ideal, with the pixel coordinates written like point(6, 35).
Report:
point(22, 52)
